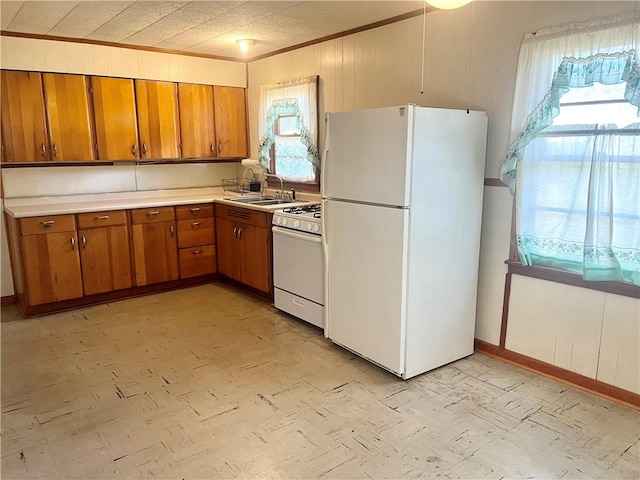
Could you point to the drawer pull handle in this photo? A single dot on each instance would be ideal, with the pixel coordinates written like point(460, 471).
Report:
point(73, 243)
point(84, 241)
point(172, 230)
point(103, 217)
point(153, 213)
point(197, 252)
point(195, 210)
point(196, 225)
point(48, 222)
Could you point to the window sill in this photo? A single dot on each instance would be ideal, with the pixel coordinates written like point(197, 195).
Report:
point(558, 276)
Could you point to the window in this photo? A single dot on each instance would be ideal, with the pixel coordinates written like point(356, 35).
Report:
point(289, 122)
point(575, 162)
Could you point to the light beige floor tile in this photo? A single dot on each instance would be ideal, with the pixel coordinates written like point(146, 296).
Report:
point(208, 382)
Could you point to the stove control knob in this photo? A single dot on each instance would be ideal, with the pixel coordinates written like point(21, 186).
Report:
point(309, 226)
point(278, 220)
point(284, 221)
point(296, 224)
point(316, 228)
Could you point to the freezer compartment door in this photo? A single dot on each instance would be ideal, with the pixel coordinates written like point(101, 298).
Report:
point(366, 156)
point(366, 286)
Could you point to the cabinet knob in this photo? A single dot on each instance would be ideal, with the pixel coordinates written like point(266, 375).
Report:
point(73, 243)
point(195, 210)
point(172, 230)
point(196, 225)
point(219, 148)
point(55, 150)
point(144, 148)
point(84, 241)
point(44, 150)
point(239, 232)
point(134, 150)
point(152, 213)
point(213, 148)
point(197, 252)
point(235, 232)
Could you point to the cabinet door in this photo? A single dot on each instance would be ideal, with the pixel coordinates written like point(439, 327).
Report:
point(106, 259)
point(196, 120)
point(157, 105)
point(68, 117)
point(114, 108)
point(228, 249)
point(24, 131)
point(254, 256)
point(155, 252)
point(51, 267)
point(231, 121)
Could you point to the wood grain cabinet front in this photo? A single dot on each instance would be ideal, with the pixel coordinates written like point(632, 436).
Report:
point(230, 121)
point(196, 240)
point(50, 259)
point(155, 245)
point(244, 246)
point(158, 119)
point(114, 108)
point(24, 130)
point(68, 117)
point(196, 120)
point(105, 251)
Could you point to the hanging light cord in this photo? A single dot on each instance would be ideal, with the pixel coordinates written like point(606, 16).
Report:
point(473, 11)
point(424, 29)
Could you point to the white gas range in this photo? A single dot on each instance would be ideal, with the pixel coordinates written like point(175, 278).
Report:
point(298, 262)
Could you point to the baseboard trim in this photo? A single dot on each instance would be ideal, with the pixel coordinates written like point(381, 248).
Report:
point(574, 379)
point(8, 300)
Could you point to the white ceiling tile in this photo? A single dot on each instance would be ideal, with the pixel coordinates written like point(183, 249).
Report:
point(88, 16)
point(40, 16)
point(8, 10)
point(134, 18)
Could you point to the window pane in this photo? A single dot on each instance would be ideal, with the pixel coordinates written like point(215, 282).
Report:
point(291, 160)
point(287, 126)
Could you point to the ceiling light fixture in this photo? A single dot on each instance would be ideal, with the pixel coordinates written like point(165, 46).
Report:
point(245, 44)
point(447, 4)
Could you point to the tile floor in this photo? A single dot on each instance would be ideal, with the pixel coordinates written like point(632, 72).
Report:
point(207, 382)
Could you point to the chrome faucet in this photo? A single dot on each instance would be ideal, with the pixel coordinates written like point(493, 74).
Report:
point(281, 193)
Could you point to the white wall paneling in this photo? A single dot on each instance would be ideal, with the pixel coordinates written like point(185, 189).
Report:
point(70, 57)
point(619, 361)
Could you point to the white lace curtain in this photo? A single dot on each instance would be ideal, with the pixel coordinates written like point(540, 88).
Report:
point(578, 196)
point(293, 97)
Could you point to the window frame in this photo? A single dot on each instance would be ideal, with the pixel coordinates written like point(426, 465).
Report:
point(515, 266)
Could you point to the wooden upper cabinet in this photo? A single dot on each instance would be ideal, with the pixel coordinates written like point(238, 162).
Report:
point(157, 104)
point(196, 120)
point(68, 117)
point(114, 108)
point(231, 121)
point(24, 130)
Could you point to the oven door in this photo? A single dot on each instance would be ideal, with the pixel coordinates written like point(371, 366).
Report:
point(298, 264)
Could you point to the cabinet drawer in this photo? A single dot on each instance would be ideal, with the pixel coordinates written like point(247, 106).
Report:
point(196, 232)
point(242, 215)
point(152, 215)
point(49, 224)
point(186, 212)
point(197, 261)
point(102, 219)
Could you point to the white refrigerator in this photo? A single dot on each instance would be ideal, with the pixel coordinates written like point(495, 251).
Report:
point(402, 192)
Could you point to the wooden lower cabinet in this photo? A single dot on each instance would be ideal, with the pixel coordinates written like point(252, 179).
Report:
point(50, 259)
point(155, 245)
point(196, 240)
point(244, 246)
point(105, 251)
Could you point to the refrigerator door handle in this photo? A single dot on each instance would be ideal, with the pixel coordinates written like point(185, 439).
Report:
point(325, 251)
point(325, 158)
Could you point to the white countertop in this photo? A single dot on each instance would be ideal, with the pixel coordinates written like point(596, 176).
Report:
point(70, 204)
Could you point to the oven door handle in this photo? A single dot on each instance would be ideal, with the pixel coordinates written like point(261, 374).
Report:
point(309, 237)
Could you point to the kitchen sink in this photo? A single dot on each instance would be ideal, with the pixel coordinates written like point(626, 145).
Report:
point(264, 200)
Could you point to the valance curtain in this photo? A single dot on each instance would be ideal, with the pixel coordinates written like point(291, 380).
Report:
point(577, 196)
point(297, 98)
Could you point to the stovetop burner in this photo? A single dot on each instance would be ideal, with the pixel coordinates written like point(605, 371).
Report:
point(315, 209)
